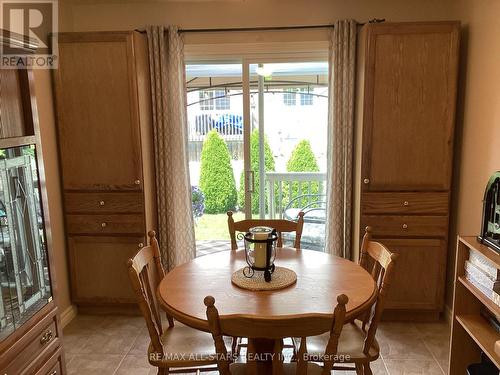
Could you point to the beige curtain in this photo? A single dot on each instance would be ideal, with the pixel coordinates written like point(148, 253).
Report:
point(340, 137)
point(175, 219)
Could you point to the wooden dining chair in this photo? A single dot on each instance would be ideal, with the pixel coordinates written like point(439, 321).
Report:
point(275, 330)
point(358, 338)
point(177, 346)
point(281, 226)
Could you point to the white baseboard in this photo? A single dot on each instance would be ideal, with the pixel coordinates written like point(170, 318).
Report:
point(68, 315)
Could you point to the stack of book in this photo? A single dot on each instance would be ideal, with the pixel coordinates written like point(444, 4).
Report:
point(484, 275)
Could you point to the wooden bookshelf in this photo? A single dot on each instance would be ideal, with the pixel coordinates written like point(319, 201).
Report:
point(488, 303)
point(480, 330)
point(471, 333)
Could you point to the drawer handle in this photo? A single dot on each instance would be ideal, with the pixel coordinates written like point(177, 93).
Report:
point(406, 203)
point(137, 182)
point(53, 372)
point(141, 245)
point(405, 226)
point(104, 225)
point(101, 203)
point(366, 181)
point(47, 336)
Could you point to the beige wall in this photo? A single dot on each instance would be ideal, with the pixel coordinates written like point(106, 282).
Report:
point(79, 15)
point(479, 103)
point(478, 117)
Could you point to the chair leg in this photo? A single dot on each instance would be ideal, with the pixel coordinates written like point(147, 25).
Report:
point(234, 346)
point(238, 346)
point(359, 369)
point(368, 370)
point(162, 370)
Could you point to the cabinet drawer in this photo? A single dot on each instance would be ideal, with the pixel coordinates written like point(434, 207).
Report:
point(43, 340)
point(406, 226)
point(56, 370)
point(101, 202)
point(404, 203)
point(105, 224)
point(53, 366)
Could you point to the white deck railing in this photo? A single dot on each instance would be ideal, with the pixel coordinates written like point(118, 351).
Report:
point(308, 187)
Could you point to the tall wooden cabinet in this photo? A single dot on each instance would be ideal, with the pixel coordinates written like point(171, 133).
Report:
point(30, 330)
point(407, 90)
point(105, 134)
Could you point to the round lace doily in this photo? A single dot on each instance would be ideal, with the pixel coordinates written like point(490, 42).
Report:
point(281, 278)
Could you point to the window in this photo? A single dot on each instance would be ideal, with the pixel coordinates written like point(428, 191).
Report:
point(222, 100)
point(206, 100)
point(305, 97)
point(290, 97)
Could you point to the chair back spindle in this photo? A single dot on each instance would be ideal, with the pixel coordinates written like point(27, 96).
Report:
point(333, 341)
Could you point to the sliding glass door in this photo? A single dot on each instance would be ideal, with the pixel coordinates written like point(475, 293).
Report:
point(257, 145)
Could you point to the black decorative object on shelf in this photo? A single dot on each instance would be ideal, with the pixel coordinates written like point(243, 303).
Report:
point(260, 251)
point(485, 367)
point(490, 228)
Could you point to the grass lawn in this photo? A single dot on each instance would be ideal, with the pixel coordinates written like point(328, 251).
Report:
point(214, 227)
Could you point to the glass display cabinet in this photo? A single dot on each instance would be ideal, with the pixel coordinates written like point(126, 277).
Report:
point(30, 332)
point(24, 274)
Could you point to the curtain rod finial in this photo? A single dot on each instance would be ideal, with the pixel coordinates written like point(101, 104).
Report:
point(377, 20)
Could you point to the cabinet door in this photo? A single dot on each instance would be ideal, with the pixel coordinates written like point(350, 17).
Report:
point(420, 274)
point(409, 106)
point(99, 136)
point(99, 268)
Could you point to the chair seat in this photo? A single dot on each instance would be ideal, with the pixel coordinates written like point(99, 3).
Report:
point(186, 346)
point(350, 344)
point(288, 369)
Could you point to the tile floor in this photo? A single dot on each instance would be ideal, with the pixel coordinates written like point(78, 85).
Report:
point(117, 345)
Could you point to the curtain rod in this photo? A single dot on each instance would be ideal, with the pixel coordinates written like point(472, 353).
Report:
point(263, 28)
point(266, 28)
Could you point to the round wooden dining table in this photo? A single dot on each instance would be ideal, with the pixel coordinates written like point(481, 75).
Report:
point(321, 278)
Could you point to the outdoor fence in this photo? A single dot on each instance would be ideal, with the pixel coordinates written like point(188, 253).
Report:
point(235, 150)
point(228, 125)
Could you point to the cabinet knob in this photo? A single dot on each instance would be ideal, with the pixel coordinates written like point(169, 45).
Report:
point(46, 337)
point(104, 225)
point(101, 203)
point(53, 372)
point(405, 226)
point(137, 182)
point(141, 245)
point(366, 181)
point(406, 203)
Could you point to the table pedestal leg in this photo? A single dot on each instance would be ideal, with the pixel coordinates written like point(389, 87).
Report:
point(262, 353)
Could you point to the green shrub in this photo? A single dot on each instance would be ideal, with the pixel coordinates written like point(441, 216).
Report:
point(302, 159)
point(216, 175)
point(254, 165)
